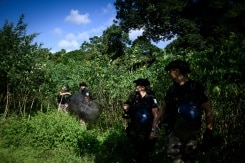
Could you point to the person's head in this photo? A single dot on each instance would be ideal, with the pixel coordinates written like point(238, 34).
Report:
point(64, 87)
point(178, 70)
point(142, 84)
point(182, 66)
point(83, 85)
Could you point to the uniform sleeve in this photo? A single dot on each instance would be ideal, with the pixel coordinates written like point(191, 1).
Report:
point(154, 101)
point(201, 92)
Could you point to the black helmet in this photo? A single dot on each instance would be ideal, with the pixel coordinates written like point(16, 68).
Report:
point(142, 82)
point(83, 84)
point(179, 64)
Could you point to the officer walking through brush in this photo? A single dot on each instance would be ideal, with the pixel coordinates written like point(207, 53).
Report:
point(85, 92)
point(182, 111)
point(141, 109)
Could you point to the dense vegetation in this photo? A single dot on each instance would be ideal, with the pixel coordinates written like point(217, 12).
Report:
point(31, 129)
point(197, 24)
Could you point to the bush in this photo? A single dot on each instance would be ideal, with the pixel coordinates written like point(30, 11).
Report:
point(48, 136)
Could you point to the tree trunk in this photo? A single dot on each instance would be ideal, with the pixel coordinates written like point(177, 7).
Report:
point(7, 104)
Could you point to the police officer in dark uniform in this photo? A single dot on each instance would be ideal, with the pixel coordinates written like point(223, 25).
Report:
point(142, 110)
point(183, 106)
point(85, 92)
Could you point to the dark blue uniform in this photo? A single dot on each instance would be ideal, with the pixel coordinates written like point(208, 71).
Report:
point(140, 125)
point(183, 118)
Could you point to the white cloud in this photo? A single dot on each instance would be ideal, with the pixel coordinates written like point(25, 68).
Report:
point(73, 41)
point(133, 34)
point(73, 44)
point(70, 36)
point(76, 18)
point(57, 31)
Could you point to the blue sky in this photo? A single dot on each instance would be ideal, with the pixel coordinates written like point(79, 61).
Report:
point(62, 24)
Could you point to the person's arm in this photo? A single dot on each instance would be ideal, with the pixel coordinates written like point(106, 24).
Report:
point(129, 102)
point(125, 108)
point(209, 115)
point(161, 113)
point(65, 93)
point(208, 133)
point(155, 122)
point(155, 118)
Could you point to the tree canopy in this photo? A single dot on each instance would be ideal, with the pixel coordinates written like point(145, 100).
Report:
point(195, 23)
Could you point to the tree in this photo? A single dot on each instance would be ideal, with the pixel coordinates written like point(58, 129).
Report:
point(20, 73)
point(93, 48)
point(112, 43)
point(144, 46)
point(115, 41)
point(195, 23)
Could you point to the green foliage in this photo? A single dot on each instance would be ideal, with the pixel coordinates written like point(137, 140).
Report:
point(29, 154)
point(196, 25)
point(48, 130)
point(114, 144)
point(45, 136)
point(18, 68)
point(115, 41)
point(57, 137)
point(32, 76)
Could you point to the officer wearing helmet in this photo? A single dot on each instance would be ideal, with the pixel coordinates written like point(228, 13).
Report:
point(141, 109)
point(184, 103)
point(85, 92)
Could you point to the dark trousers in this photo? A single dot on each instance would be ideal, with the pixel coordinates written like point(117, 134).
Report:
point(141, 147)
